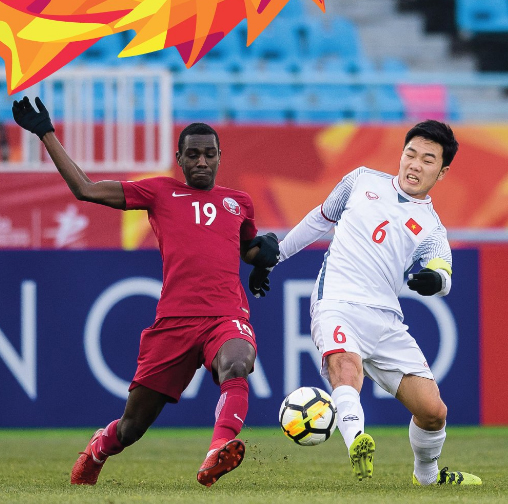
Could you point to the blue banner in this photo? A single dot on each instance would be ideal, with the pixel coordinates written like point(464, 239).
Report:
point(70, 323)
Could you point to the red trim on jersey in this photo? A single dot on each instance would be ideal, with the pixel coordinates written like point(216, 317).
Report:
point(329, 220)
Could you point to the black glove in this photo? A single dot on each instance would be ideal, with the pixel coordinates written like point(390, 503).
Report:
point(26, 116)
point(426, 282)
point(259, 283)
point(268, 255)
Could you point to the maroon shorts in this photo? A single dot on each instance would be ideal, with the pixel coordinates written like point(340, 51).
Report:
point(173, 348)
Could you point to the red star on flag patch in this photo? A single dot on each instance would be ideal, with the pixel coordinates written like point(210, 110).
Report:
point(413, 226)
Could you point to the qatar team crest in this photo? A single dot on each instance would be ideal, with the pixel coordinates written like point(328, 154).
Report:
point(231, 206)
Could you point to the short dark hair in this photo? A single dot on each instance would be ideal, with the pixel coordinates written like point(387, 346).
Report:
point(438, 132)
point(196, 129)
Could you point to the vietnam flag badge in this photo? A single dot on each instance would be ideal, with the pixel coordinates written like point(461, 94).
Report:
point(413, 226)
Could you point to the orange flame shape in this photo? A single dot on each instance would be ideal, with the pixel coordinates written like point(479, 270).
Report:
point(37, 37)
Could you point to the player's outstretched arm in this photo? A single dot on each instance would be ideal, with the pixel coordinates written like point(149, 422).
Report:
point(107, 192)
point(310, 229)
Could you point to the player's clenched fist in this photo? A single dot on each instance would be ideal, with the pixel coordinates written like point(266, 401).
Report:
point(28, 118)
point(426, 282)
point(268, 255)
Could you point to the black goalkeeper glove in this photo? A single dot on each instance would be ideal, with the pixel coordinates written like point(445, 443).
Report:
point(426, 282)
point(268, 255)
point(27, 117)
point(259, 283)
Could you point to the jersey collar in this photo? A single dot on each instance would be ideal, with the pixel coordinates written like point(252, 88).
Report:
point(405, 196)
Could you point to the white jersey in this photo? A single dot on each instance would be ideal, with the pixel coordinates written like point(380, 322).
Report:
point(380, 233)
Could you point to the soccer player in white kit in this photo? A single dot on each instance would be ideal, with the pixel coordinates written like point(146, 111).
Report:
point(383, 226)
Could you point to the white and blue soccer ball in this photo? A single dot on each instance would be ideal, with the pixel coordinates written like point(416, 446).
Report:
point(308, 416)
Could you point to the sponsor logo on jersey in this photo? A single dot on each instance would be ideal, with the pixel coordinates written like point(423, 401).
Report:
point(179, 195)
point(350, 418)
point(231, 206)
point(413, 226)
point(371, 195)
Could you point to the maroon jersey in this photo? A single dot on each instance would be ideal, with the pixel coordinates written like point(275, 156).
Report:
point(199, 234)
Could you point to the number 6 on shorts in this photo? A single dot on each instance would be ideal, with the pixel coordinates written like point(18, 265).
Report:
point(338, 336)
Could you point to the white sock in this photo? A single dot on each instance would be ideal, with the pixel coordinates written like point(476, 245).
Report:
point(427, 446)
point(350, 417)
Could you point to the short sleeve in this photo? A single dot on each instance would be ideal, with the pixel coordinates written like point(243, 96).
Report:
point(141, 194)
point(248, 230)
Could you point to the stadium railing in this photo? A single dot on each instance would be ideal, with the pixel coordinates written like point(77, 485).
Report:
point(103, 109)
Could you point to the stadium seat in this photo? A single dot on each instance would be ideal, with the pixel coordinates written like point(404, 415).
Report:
point(331, 36)
point(197, 102)
point(294, 9)
point(330, 103)
point(394, 65)
point(387, 105)
point(278, 41)
point(257, 105)
point(482, 15)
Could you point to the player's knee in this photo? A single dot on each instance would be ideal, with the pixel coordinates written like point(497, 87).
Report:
point(235, 369)
point(434, 417)
point(345, 369)
point(129, 432)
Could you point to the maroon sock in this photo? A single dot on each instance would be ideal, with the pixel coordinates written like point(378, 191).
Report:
point(231, 409)
point(108, 443)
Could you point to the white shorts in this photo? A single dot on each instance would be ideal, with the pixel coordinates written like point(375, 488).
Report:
point(378, 336)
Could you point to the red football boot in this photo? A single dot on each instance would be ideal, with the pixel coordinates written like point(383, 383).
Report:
point(221, 461)
point(87, 468)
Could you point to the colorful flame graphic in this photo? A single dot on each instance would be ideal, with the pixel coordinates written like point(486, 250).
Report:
point(37, 37)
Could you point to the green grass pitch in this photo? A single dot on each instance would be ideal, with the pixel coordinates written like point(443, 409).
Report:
point(35, 467)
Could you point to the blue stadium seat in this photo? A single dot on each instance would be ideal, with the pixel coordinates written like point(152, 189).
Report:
point(335, 66)
point(331, 36)
point(454, 113)
point(394, 65)
point(386, 104)
point(331, 103)
point(294, 9)
point(5, 99)
point(482, 15)
point(276, 77)
point(277, 42)
point(197, 102)
point(256, 105)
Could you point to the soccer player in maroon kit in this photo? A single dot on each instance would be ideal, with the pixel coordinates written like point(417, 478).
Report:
point(202, 316)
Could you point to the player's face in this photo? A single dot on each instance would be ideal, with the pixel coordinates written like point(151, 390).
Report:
point(199, 160)
point(421, 166)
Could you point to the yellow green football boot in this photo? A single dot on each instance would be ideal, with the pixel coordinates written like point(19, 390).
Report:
point(446, 477)
point(361, 455)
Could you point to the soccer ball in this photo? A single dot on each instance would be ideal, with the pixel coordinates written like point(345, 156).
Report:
point(308, 416)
